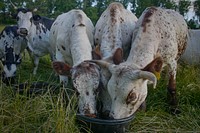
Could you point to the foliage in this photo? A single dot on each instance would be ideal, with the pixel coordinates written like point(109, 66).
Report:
point(93, 8)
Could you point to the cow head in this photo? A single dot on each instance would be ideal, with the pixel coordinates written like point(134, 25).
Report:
point(127, 86)
point(10, 62)
point(85, 77)
point(25, 19)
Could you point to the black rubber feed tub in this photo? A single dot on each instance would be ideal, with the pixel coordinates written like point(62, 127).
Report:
point(97, 125)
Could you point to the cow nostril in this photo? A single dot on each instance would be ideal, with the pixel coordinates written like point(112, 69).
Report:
point(23, 31)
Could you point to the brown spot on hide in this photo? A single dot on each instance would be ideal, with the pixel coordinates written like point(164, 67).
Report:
point(154, 66)
point(131, 97)
point(113, 12)
point(146, 19)
point(118, 56)
point(81, 24)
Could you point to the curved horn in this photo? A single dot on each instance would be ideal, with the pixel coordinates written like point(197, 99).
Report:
point(150, 76)
point(15, 7)
point(101, 63)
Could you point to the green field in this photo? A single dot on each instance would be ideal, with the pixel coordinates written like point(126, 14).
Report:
point(53, 112)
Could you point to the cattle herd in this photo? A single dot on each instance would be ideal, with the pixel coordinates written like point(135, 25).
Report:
point(113, 61)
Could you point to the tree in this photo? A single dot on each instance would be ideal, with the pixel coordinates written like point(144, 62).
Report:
point(183, 6)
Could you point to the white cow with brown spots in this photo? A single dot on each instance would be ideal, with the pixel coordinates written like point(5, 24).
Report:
point(72, 37)
point(159, 38)
point(113, 33)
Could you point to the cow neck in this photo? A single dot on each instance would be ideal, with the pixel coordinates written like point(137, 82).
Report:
point(142, 50)
point(80, 46)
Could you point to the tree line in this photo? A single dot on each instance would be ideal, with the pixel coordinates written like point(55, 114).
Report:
point(94, 8)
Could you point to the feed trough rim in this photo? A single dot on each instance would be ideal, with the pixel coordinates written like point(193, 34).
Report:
point(105, 121)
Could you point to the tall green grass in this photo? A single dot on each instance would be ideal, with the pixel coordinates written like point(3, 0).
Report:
point(55, 113)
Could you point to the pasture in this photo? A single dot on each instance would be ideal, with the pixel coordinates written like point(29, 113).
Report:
point(54, 112)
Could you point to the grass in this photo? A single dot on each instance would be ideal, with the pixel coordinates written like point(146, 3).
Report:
point(1, 27)
point(54, 113)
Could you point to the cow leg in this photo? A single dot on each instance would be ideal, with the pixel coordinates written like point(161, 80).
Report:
point(36, 62)
point(63, 79)
point(172, 89)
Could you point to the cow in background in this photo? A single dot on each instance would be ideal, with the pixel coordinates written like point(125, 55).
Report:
point(36, 29)
point(159, 39)
point(11, 47)
point(192, 52)
point(113, 33)
point(72, 37)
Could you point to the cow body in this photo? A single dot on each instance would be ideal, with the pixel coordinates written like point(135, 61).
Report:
point(36, 29)
point(113, 31)
point(159, 38)
point(11, 47)
point(72, 37)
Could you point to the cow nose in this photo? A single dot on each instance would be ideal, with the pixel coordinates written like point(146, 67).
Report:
point(23, 31)
point(88, 113)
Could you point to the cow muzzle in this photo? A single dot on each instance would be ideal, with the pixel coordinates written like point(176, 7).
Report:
point(23, 32)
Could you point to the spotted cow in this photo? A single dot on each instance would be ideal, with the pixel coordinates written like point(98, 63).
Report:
point(113, 33)
point(159, 39)
point(36, 30)
point(11, 46)
point(72, 37)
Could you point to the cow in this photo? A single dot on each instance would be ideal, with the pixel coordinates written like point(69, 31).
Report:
point(72, 37)
point(159, 39)
point(192, 54)
point(36, 29)
point(113, 33)
point(11, 47)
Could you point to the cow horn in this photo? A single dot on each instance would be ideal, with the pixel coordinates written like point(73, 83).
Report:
point(34, 10)
point(101, 63)
point(15, 7)
point(148, 75)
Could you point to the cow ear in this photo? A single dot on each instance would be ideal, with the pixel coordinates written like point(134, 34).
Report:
point(96, 54)
point(13, 15)
point(36, 17)
point(61, 68)
point(155, 67)
point(118, 56)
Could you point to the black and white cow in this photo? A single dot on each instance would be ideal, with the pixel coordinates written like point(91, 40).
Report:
point(36, 30)
point(11, 45)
